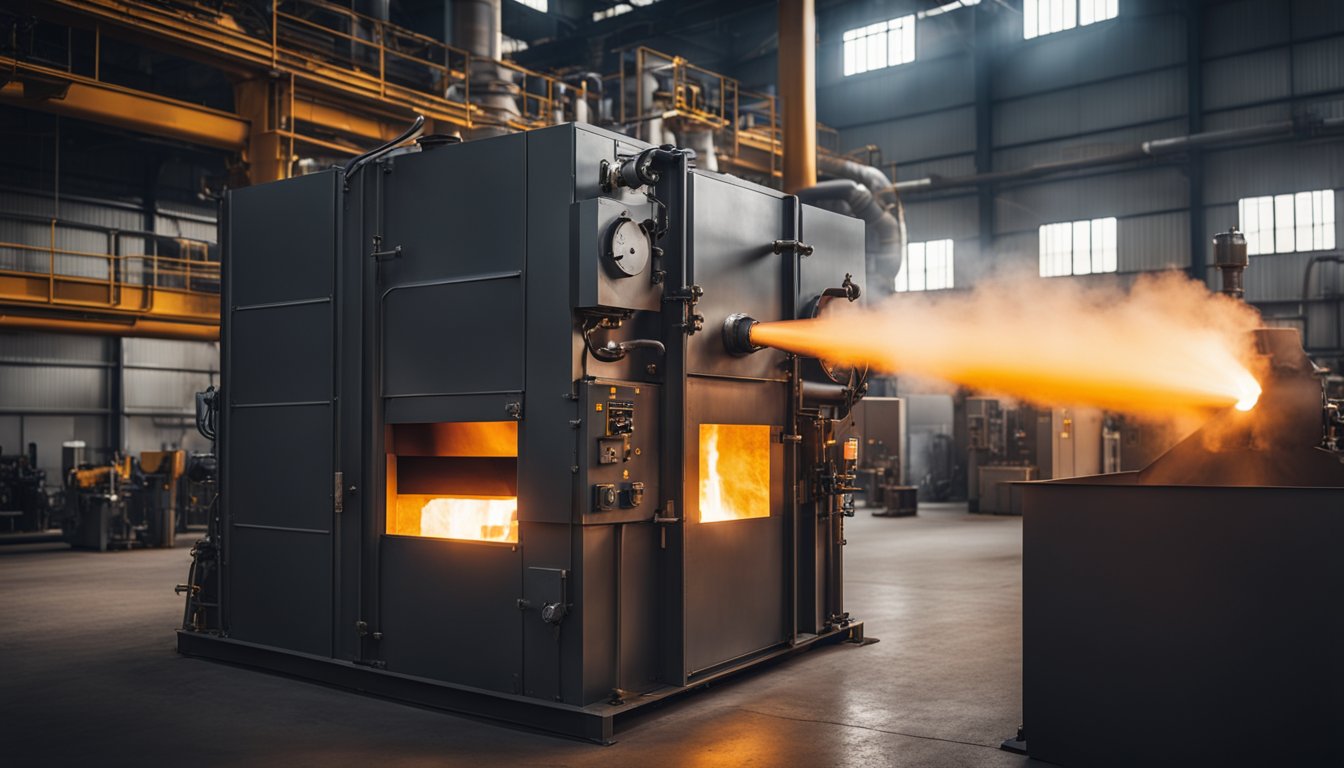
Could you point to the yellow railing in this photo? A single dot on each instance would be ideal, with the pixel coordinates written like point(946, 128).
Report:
point(182, 287)
point(746, 124)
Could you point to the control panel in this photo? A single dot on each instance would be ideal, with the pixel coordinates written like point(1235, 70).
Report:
point(620, 441)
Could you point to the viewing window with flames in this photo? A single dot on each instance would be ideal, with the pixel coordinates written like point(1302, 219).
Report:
point(453, 480)
point(734, 472)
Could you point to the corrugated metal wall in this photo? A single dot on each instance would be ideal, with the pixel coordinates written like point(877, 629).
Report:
point(56, 387)
point(1096, 90)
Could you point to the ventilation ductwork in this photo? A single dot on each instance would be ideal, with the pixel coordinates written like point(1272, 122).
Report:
point(885, 231)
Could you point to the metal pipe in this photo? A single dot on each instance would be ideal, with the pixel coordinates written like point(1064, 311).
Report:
point(1143, 151)
point(825, 392)
point(1229, 256)
point(477, 27)
point(798, 91)
point(875, 180)
point(881, 187)
point(142, 327)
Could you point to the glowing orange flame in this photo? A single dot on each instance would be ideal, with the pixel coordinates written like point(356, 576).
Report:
point(1167, 347)
point(465, 518)
point(734, 472)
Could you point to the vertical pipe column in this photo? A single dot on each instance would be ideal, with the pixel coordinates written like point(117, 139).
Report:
point(477, 29)
point(798, 91)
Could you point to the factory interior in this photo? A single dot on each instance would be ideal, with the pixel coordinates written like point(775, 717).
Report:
point(671, 382)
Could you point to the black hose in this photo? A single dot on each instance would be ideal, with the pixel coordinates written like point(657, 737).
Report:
point(207, 413)
point(417, 127)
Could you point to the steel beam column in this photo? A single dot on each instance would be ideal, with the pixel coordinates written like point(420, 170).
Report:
point(69, 95)
point(798, 91)
point(254, 100)
point(1194, 37)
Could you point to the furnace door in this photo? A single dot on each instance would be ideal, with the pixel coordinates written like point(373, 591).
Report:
point(450, 569)
point(735, 543)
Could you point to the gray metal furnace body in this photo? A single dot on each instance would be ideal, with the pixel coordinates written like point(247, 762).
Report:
point(452, 331)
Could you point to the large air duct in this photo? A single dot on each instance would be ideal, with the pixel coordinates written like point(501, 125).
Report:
point(874, 179)
point(885, 234)
point(477, 29)
point(879, 247)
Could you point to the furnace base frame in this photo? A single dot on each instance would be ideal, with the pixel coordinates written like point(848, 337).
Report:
point(595, 722)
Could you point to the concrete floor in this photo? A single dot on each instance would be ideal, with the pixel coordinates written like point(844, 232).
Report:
point(90, 674)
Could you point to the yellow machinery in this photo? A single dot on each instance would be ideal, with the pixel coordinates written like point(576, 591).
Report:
point(125, 503)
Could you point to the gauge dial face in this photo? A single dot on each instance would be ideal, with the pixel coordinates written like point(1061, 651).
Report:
point(628, 247)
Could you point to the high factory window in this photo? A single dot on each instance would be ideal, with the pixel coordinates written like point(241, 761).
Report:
point(1078, 247)
point(620, 9)
point(540, 5)
point(927, 267)
point(1044, 17)
point(880, 45)
point(1286, 223)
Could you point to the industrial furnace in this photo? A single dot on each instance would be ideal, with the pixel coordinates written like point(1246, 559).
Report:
point(486, 443)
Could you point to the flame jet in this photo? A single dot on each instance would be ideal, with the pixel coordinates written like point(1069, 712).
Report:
point(1167, 347)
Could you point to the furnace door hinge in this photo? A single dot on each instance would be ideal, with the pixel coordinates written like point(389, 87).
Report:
point(362, 630)
point(338, 493)
point(689, 297)
point(514, 408)
point(797, 247)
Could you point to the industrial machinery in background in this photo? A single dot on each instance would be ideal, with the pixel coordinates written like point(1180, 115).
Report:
point(24, 504)
point(197, 492)
point(124, 502)
point(879, 423)
point(1001, 440)
point(1216, 566)
point(932, 464)
point(641, 500)
point(1011, 442)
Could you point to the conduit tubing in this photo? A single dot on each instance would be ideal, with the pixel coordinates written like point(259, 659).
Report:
point(1143, 151)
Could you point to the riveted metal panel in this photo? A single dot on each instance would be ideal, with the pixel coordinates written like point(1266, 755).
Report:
point(282, 354)
point(285, 577)
point(278, 485)
point(292, 223)
point(444, 602)
point(735, 226)
point(450, 230)
point(453, 338)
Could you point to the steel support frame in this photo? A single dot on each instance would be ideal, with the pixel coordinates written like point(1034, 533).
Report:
point(595, 722)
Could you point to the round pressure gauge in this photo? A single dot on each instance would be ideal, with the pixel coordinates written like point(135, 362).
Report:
point(628, 247)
